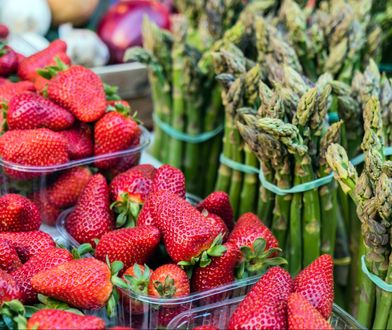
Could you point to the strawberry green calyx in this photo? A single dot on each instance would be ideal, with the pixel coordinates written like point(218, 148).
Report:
point(256, 259)
point(51, 303)
point(166, 289)
point(111, 92)
point(52, 70)
point(139, 282)
point(204, 259)
point(128, 211)
point(115, 267)
point(12, 314)
point(81, 250)
point(3, 49)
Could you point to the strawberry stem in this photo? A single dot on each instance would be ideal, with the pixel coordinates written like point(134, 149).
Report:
point(166, 289)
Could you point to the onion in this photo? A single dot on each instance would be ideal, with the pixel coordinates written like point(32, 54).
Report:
point(121, 27)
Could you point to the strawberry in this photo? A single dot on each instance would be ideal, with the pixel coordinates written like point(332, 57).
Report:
point(302, 314)
point(205, 327)
point(8, 90)
point(218, 203)
point(83, 283)
point(257, 243)
point(41, 85)
point(8, 60)
point(315, 283)
point(219, 272)
point(18, 213)
point(81, 91)
point(118, 105)
point(128, 245)
point(9, 289)
point(29, 243)
point(29, 111)
point(35, 147)
point(186, 236)
point(40, 262)
point(4, 81)
point(265, 306)
point(9, 259)
point(65, 191)
point(129, 190)
point(169, 281)
point(92, 216)
point(80, 141)
point(4, 31)
point(145, 217)
point(28, 67)
point(171, 179)
point(217, 224)
point(48, 212)
point(59, 319)
point(112, 133)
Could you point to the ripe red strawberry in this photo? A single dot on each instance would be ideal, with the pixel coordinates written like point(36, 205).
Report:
point(92, 216)
point(29, 111)
point(8, 90)
point(218, 225)
point(302, 315)
point(112, 133)
point(219, 272)
point(169, 281)
point(129, 190)
point(4, 81)
point(171, 179)
point(83, 283)
point(65, 191)
point(29, 243)
point(18, 213)
point(41, 85)
point(128, 245)
point(4, 31)
point(265, 306)
point(80, 141)
point(28, 67)
point(40, 262)
point(35, 147)
point(185, 234)
point(315, 283)
point(145, 217)
point(218, 203)
point(9, 289)
point(81, 91)
point(59, 319)
point(9, 259)
point(8, 60)
point(48, 212)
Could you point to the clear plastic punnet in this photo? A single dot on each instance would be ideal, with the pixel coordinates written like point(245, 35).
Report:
point(218, 315)
point(42, 183)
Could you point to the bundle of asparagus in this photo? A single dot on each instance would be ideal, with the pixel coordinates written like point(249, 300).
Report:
point(372, 194)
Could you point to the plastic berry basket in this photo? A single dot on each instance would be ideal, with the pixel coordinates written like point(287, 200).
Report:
point(218, 315)
point(33, 181)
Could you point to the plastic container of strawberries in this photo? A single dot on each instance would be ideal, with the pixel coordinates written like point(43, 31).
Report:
point(32, 181)
point(218, 315)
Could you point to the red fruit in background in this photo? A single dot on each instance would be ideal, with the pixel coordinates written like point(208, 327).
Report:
point(29, 111)
point(4, 81)
point(8, 90)
point(9, 259)
point(315, 283)
point(265, 306)
point(8, 60)
point(169, 281)
point(217, 225)
point(28, 67)
point(218, 203)
point(83, 283)
point(40, 262)
point(4, 31)
point(65, 191)
point(9, 289)
point(80, 141)
point(79, 90)
point(18, 213)
point(128, 245)
point(112, 133)
point(59, 319)
point(48, 212)
point(302, 315)
point(92, 217)
point(205, 327)
point(220, 271)
point(145, 217)
point(35, 147)
point(171, 179)
point(184, 229)
point(41, 85)
point(120, 28)
point(29, 243)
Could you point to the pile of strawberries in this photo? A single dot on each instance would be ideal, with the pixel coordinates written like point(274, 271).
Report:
point(279, 302)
